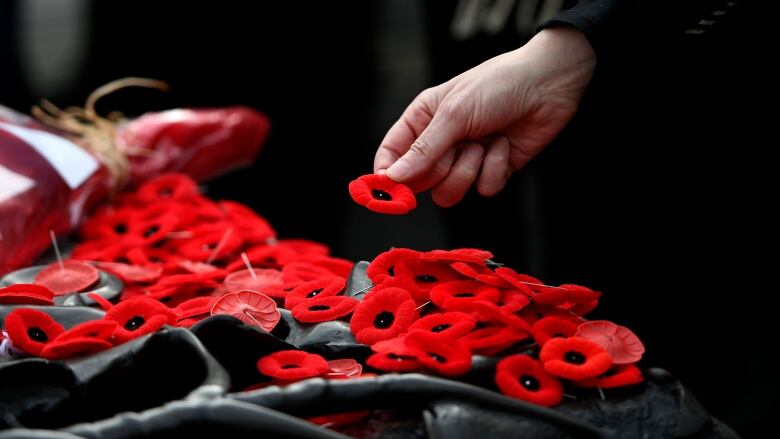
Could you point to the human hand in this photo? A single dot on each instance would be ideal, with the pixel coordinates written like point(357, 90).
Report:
point(488, 122)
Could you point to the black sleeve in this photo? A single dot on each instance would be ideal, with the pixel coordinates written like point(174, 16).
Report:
point(599, 20)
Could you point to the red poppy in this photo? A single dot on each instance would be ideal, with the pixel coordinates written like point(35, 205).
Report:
point(552, 327)
point(393, 356)
point(522, 282)
point(150, 231)
point(339, 419)
point(31, 330)
point(167, 187)
point(258, 279)
point(522, 377)
point(492, 339)
point(251, 307)
point(108, 223)
point(440, 353)
point(216, 244)
point(322, 287)
point(382, 315)
point(534, 313)
point(471, 256)
point(382, 195)
point(470, 271)
point(247, 223)
point(67, 277)
point(98, 251)
point(197, 307)
point(102, 329)
point(512, 301)
point(26, 294)
point(620, 342)
point(305, 271)
point(138, 316)
point(407, 284)
point(292, 365)
point(383, 265)
point(425, 274)
point(132, 273)
point(574, 298)
point(490, 312)
point(74, 347)
point(448, 293)
point(490, 278)
point(324, 308)
point(616, 376)
point(574, 358)
point(343, 368)
point(453, 324)
point(101, 301)
point(339, 267)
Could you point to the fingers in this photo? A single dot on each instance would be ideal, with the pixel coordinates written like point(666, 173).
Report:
point(462, 175)
point(495, 167)
point(437, 174)
point(402, 134)
point(445, 129)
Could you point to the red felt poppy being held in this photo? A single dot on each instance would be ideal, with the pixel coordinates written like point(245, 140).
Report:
point(382, 195)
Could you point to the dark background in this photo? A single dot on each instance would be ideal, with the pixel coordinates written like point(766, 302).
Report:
point(657, 193)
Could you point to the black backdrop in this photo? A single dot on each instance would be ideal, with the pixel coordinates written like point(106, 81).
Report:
point(657, 193)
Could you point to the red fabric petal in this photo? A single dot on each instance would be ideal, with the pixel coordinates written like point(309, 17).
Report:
point(492, 339)
point(138, 316)
point(383, 265)
point(322, 287)
point(574, 358)
point(132, 273)
point(167, 188)
point(440, 353)
point(251, 307)
point(447, 294)
point(453, 324)
point(31, 330)
point(102, 329)
point(101, 301)
point(70, 277)
point(74, 347)
point(26, 294)
point(425, 274)
point(457, 255)
point(393, 356)
point(382, 315)
point(522, 377)
point(292, 365)
point(617, 376)
point(552, 327)
point(620, 342)
point(197, 307)
point(381, 194)
point(323, 309)
point(245, 280)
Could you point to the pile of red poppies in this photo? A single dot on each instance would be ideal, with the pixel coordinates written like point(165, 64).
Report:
point(184, 257)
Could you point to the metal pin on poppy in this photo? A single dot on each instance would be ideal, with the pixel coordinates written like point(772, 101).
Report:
point(250, 307)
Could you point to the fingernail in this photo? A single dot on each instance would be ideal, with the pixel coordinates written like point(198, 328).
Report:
point(381, 172)
point(398, 171)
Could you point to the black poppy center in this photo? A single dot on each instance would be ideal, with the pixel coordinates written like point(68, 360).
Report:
point(529, 382)
point(319, 308)
point(437, 357)
point(120, 229)
point(441, 327)
point(290, 366)
point(379, 194)
point(391, 271)
point(314, 293)
point(37, 334)
point(384, 320)
point(464, 295)
point(151, 231)
point(134, 323)
point(558, 335)
point(574, 357)
point(165, 192)
point(427, 278)
point(208, 247)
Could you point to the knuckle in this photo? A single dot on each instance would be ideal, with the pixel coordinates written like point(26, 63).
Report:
point(420, 148)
